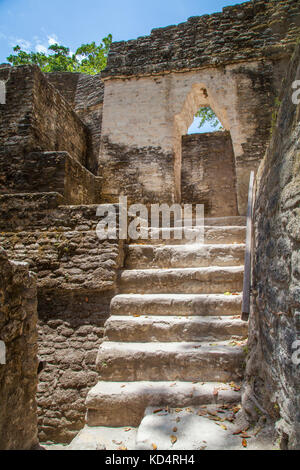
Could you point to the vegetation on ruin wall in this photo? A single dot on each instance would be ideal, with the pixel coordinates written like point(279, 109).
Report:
point(207, 115)
point(88, 58)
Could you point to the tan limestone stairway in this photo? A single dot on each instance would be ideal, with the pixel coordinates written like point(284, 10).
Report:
point(174, 336)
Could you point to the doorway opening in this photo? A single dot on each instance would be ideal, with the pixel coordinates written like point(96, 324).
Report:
point(205, 120)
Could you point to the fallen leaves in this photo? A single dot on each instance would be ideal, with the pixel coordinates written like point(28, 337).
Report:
point(173, 439)
point(244, 443)
point(223, 426)
point(235, 388)
point(158, 410)
point(154, 446)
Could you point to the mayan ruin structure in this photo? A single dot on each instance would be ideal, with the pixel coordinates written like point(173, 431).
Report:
point(123, 332)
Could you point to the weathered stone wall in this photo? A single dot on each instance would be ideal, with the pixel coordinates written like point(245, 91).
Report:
point(18, 377)
point(52, 172)
point(272, 378)
point(76, 278)
point(150, 114)
point(35, 117)
point(251, 30)
point(89, 107)
point(208, 173)
point(85, 95)
point(66, 83)
point(144, 175)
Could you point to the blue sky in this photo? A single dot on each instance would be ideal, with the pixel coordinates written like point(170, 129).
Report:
point(34, 24)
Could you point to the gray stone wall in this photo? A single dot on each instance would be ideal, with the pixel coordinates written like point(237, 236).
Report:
point(208, 173)
point(144, 175)
point(35, 117)
point(85, 94)
point(18, 376)
point(76, 279)
point(249, 31)
point(272, 376)
point(52, 172)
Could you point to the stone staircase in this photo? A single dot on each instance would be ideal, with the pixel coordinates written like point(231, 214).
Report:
point(174, 337)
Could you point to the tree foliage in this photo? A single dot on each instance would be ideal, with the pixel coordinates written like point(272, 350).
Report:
point(207, 115)
point(88, 58)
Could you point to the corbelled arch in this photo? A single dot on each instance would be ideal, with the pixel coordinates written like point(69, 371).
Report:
point(198, 96)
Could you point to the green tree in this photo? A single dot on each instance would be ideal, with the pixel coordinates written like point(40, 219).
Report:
point(93, 58)
point(207, 115)
point(88, 58)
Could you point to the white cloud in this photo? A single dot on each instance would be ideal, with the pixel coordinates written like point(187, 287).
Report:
point(41, 48)
point(23, 43)
point(52, 39)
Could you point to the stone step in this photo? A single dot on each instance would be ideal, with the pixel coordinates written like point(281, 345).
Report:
point(173, 328)
point(218, 221)
point(212, 235)
point(184, 256)
point(103, 438)
point(201, 361)
point(176, 304)
point(123, 403)
point(185, 280)
point(222, 235)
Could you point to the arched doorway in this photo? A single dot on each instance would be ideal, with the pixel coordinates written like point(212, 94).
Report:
point(204, 161)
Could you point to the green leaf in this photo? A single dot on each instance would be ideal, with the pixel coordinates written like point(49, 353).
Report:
point(89, 58)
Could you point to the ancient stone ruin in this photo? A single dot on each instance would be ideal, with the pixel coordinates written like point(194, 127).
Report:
point(101, 333)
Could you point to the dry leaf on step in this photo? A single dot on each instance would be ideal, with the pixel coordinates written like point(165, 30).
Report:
point(245, 435)
point(173, 439)
point(158, 410)
point(244, 443)
point(154, 446)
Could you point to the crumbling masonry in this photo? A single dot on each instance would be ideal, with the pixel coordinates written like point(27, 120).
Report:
point(70, 142)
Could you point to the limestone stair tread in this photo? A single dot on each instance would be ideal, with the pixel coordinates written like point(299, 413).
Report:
point(216, 234)
point(176, 304)
point(182, 256)
point(216, 279)
point(173, 328)
point(218, 221)
point(127, 401)
point(189, 361)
